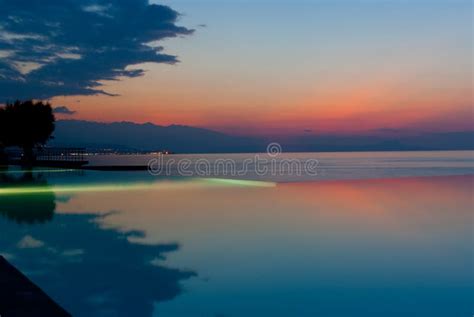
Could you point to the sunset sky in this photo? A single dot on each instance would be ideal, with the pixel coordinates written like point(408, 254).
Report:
point(298, 67)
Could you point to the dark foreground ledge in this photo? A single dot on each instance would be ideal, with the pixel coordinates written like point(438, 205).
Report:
point(19, 297)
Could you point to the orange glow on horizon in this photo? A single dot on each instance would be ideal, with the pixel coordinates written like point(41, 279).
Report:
point(353, 106)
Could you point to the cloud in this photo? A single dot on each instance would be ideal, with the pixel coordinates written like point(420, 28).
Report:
point(63, 110)
point(122, 270)
point(50, 48)
point(28, 242)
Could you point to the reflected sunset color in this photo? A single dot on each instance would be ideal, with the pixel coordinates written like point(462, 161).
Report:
point(390, 239)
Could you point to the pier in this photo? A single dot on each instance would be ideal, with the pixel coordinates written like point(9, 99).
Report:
point(66, 157)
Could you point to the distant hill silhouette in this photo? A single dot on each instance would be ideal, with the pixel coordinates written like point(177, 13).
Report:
point(149, 137)
point(463, 140)
point(127, 136)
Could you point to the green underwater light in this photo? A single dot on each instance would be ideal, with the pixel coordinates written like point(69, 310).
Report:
point(72, 188)
point(79, 188)
point(239, 182)
point(37, 171)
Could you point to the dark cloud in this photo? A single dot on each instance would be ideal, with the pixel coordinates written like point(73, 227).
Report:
point(66, 47)
point(63, 110)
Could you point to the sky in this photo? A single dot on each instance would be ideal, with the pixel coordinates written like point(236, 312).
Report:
point(260, 67)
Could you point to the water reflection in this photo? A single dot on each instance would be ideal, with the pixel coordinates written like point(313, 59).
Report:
point(88, 269)
point(28, 208)
point(391, 247)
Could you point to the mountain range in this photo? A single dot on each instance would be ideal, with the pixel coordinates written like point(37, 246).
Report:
point(129, 136)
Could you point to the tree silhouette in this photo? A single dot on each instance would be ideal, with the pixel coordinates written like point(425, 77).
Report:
point(27, 208)
point(26, 124)
point(2, 136)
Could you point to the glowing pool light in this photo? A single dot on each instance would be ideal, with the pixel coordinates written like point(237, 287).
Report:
point(239, 182)
point(164, 185)
point(71, 188)
point(37, 171)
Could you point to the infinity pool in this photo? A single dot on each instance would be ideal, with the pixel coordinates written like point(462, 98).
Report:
point(130, 244)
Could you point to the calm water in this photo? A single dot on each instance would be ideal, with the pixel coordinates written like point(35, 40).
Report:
point(356, 240)
point(354, 165)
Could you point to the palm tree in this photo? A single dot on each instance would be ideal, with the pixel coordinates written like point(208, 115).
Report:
point(26, 124)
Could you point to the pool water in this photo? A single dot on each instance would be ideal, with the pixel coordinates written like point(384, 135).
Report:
point(134, 244)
